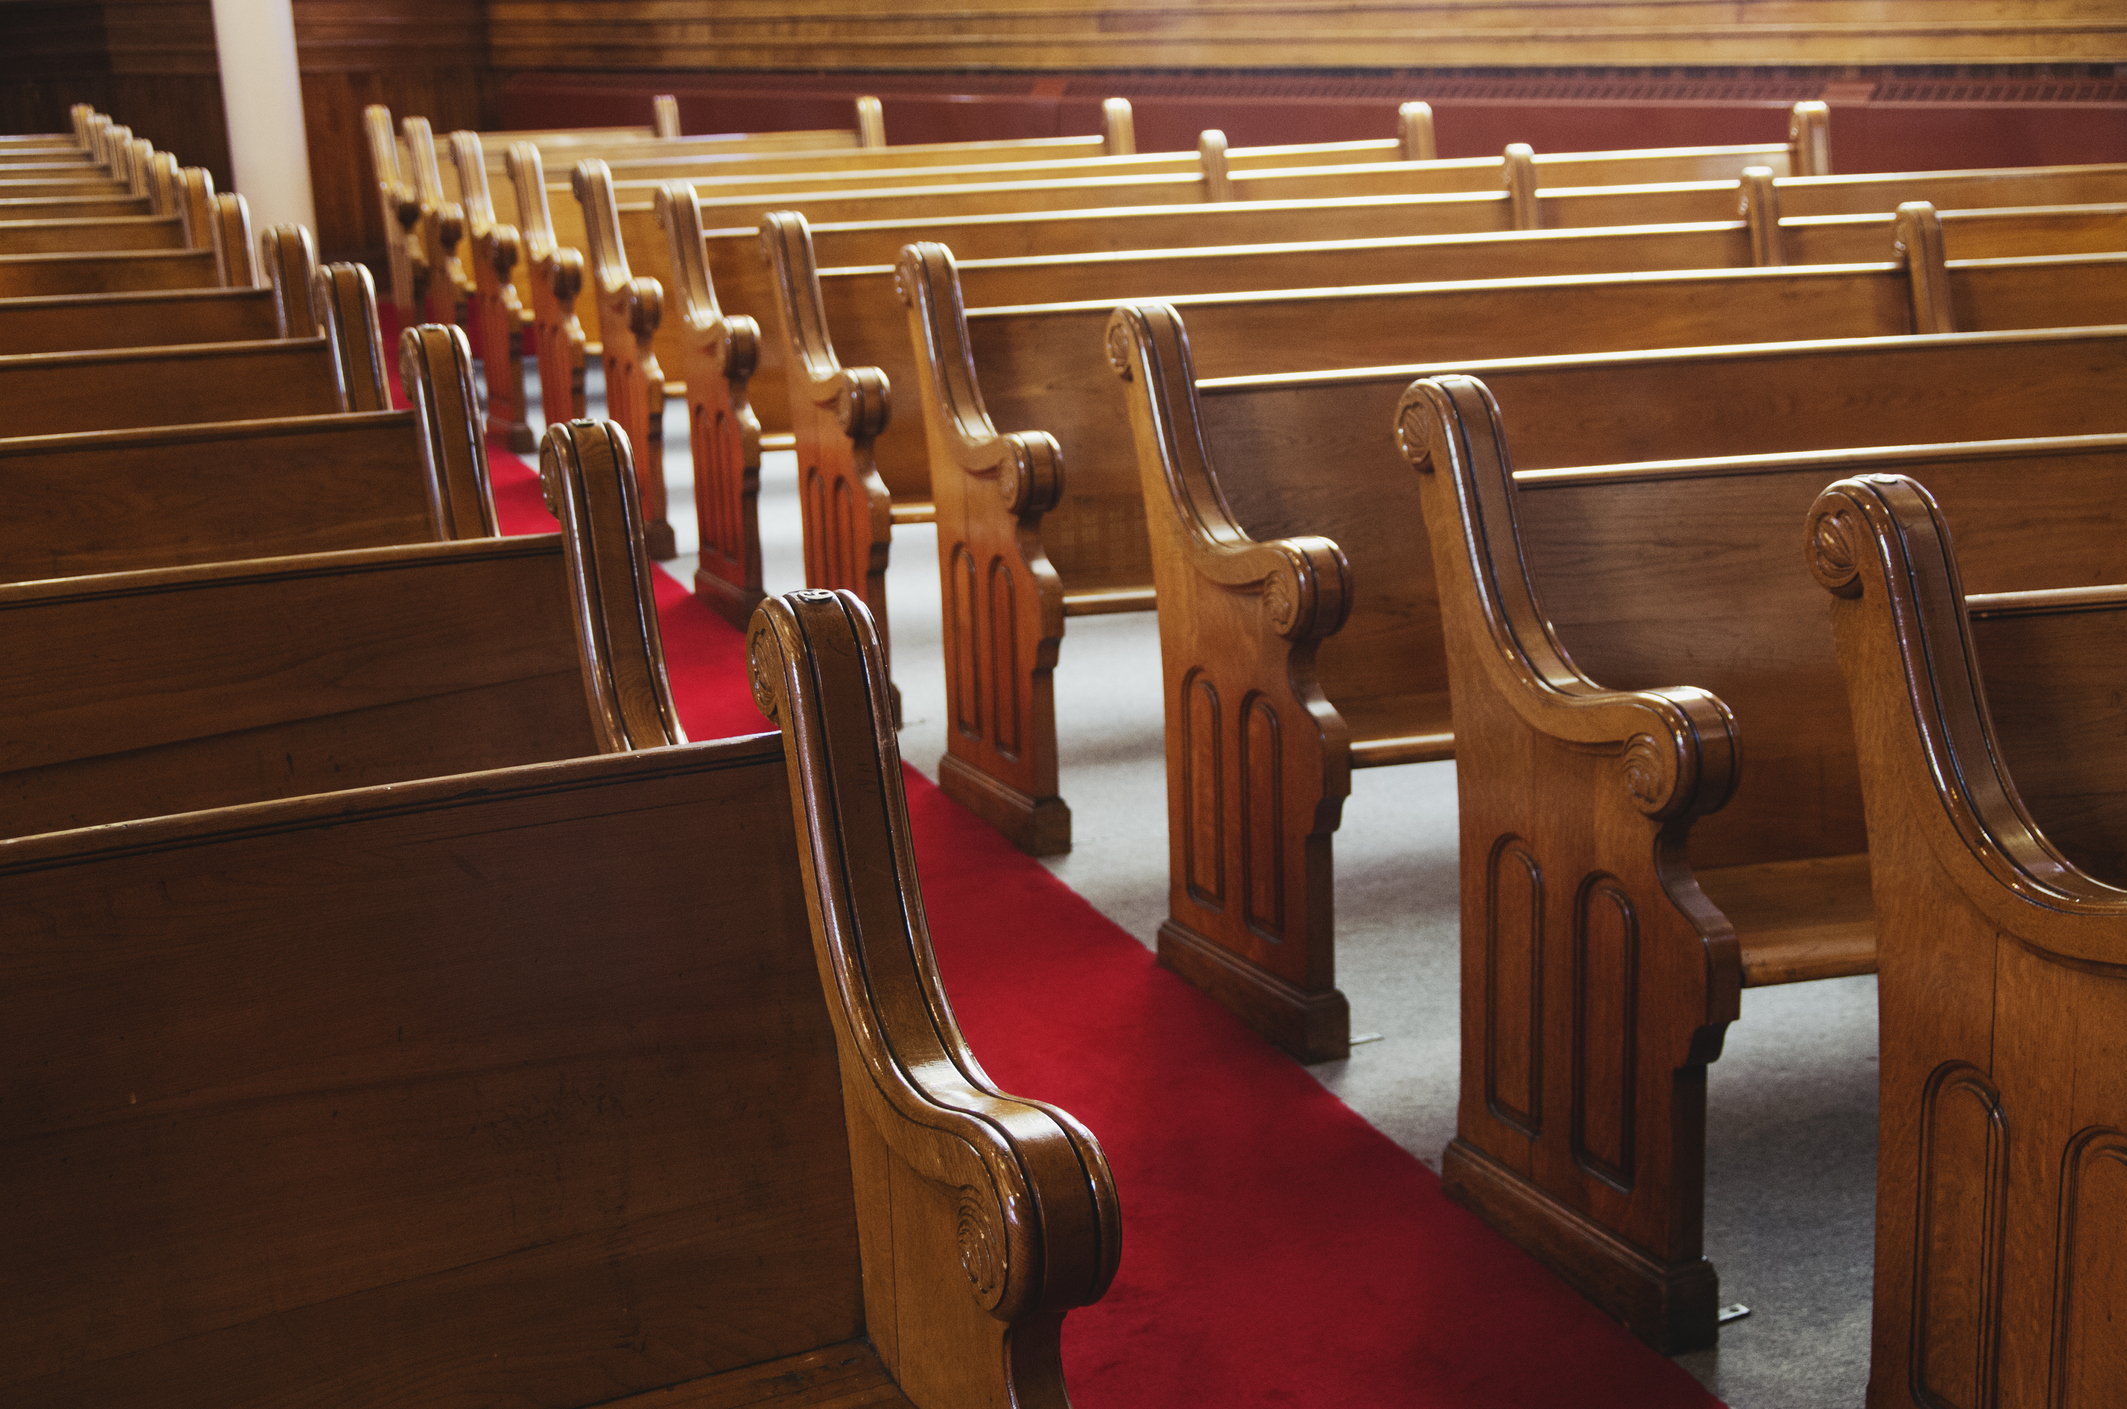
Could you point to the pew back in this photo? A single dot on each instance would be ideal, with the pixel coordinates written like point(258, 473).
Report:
point(286, 676)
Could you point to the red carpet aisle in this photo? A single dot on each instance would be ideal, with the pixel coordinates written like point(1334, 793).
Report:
point(1277, 1249)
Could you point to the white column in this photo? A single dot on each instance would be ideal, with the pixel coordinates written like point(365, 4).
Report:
point(262, 93)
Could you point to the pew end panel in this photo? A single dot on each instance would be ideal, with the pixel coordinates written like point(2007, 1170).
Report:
point(718, 355)
point(836, 417)
point(1589, 899)
point(1002, 599)
point(629, 310)
point(400, 207)
point(982, 1217)
point(497, 309)
point(1258, 759)
point(2004, 1072)
point(556, 280)
point(439, 228)
point(436, 371)
point(589, 483)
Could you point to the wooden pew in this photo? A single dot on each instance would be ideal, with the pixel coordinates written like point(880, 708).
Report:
point(1212, 175)
point(536, 1083)
point(503, 208)
point(1648, 732)
point(1387, 665)
point(276, 307)
point(161, 497)
point(801, 368)
point(212, 249)
point(339, 368)
point(836, 321)
point(1049, 516)
point(277, 677)
point(416, 185)
point(1989, 759)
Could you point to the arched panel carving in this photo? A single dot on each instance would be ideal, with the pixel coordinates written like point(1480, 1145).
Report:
point(1262, 819)
point(1606, 961)
point(1203, 793)
point(1964, 1164)
point(1514, 940)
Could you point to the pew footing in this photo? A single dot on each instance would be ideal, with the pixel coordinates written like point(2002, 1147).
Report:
point(1310, 1027)
point(726, 598)
point(1673, 1307)
point(1038, 826)
point(513, 436)
point(660, 541)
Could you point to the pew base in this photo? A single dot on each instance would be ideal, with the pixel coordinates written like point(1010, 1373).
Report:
point(1038, 826)
point(726, 598)
point(514, 436)
point(1311, 1027)
point(659, 541)
point(1673, 1307)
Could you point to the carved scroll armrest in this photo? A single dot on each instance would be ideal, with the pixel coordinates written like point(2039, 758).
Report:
point(1880, 546)
point(588, 476)
point(1677, 746)
point(732, 344)
point(436, 371)
point(1037, 1225)
point(1304, 581)
point(503, 248)
point(640, 303)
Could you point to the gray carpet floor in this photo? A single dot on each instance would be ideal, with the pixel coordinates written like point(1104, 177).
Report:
point(1792, 1102)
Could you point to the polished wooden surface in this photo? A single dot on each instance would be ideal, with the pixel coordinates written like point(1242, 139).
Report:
point(2003, 1111)
point(822, 1200)
point(339, 368)
point(1035, 367)
point(1601, 728)
point(1042, 34)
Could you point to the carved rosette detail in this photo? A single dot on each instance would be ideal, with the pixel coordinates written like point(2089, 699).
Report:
point(981, 1247)
point(764, 669)
point(1119, 347)
point(1281, 599)
point(1833, 560)
point(1647, 771)
point(1012, 473)
point(1414, 432)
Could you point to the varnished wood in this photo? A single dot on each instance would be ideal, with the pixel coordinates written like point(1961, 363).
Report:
point(125, 232)
point(1141, 35)
point(81, 322)
point(2003, 1114)
point(119, 501)
point(629, 310)
point(823, 1201)
point(1001, 189)
point(1633, 712)
point(340, 368)
point(1085, 543)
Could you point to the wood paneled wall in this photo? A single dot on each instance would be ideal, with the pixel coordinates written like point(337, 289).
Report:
point(421, 58)
point(1361, 34)
point(149, 63)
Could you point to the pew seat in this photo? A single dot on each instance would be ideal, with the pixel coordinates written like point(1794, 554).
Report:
point(611, 1079)
point(1796, 920)
point(1990, 760)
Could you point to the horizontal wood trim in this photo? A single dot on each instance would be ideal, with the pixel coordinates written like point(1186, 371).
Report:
point(659, 34)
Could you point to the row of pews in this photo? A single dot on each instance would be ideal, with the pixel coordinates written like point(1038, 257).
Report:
point(1508, 461)
point(401, 1008)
